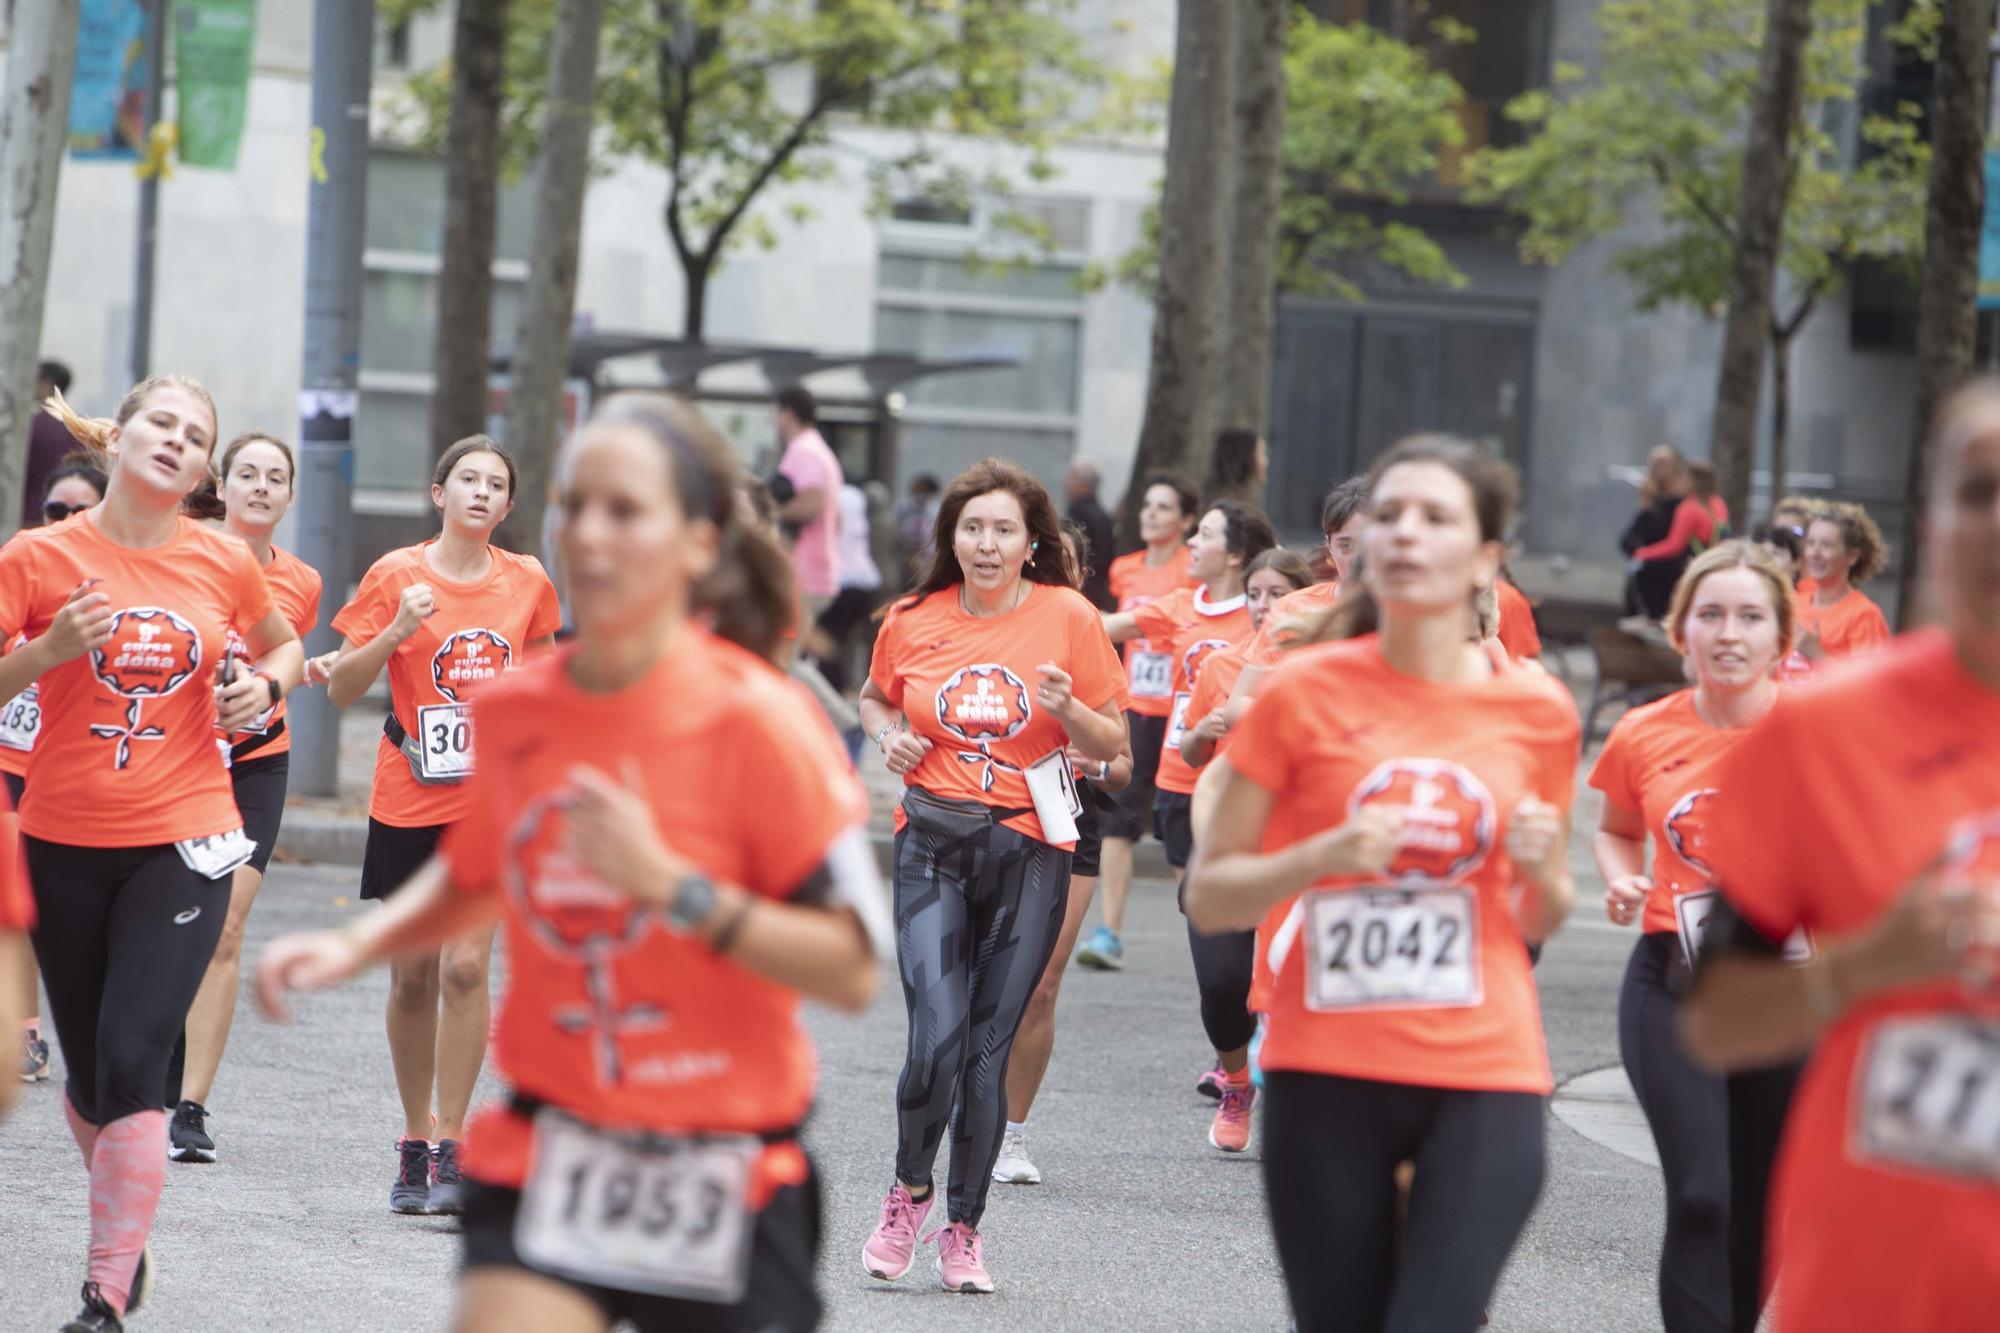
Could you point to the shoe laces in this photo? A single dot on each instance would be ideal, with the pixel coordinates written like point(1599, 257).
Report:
point(899, 1214)
point(416, 1164)
point(447, 1163)
point(1235, 1102)
point(191, 1115)
point(959, 1243)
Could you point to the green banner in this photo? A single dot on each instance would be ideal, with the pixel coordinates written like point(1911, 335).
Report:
point(213, 44)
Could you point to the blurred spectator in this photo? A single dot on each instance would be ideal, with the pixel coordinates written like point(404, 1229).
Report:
point(915, 516)
point(1242, 462)
point(1080, 485)
point(1650, 587)
point(49, 441)
point(814, 473)
point(860, 587)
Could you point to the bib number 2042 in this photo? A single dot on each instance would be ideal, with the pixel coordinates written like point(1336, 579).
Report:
point(446, 735)
point(1373, 948)
point(665, 1217)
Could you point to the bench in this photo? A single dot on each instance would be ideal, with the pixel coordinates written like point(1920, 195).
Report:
point(1632, 669)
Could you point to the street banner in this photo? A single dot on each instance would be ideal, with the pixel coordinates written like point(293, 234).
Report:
point(107, 103)
point(213, 43)
point(1989, 237)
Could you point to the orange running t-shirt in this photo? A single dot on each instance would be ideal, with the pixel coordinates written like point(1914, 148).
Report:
point(295, 588)
point(1197, 629)
point(20, 721)
point(1219, 675)
point(1149, 668)
point(1885, 1212)
point(1660, 763)
point(1851, 625)
point(1517, 633)
point(1282, 620)
point(967, 685)
point(478, 631)
point(609, 1013)
point(126, 754)
point(1421, 977)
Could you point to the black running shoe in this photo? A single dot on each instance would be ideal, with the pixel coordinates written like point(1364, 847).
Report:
point(187, 1134)
point(412, 1191)
point(446, 1183)
point(34, 1057)
point(97, 1316)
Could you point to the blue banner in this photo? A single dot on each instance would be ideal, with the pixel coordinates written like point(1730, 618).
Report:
point(1989, 238)
point(107, 101)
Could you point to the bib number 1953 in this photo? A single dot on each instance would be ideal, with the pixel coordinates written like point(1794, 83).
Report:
point(668, 1217)
point(1372, 948)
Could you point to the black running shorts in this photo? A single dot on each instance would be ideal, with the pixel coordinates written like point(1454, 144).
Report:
point(394, 854)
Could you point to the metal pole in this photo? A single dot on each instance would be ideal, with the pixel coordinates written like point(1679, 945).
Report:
point(337, 169)
point(149, 194)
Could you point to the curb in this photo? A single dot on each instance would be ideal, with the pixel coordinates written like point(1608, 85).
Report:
point(310, 837)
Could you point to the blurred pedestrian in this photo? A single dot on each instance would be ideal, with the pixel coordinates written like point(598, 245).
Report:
point(49, 442)
point(1080, 485)
point(1649, 588)
point(915, 516)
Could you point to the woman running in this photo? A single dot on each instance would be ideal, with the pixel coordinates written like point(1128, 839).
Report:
point(1198, 623)
point(1036, 1040)
point(1732, 619)
point(256, 489)
point(131, 830)
point(647, 1166)
point(446, 617)
point(1867, 810)
point(987, 682)
point(75, 485)
point(1166, 516)
point(1836, 618)
point(1411, 787)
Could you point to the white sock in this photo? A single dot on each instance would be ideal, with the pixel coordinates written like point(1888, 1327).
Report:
point(1017, 1126)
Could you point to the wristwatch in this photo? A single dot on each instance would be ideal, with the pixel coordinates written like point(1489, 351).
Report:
point(694, 902)
point(887, 727)
point(277, 692)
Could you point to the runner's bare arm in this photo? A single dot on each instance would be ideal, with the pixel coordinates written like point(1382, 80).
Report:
point(360, 664)
point(1121, 626)
point(1231, 884)
point(422, 915)
point(83, 623)
point(1750, 1007)
point(1538, 843)
point(277, 656)
point(1620, 848)
point(1198, 741)
point(13, 968)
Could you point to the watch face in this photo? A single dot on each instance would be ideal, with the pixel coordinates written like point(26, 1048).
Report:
point(693, 902)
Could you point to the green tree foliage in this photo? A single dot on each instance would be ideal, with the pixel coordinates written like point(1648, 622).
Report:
point(1661, 132)
point(738, 100)
point(1367, 116)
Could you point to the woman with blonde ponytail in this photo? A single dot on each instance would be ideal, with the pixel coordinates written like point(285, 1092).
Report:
point(126, 609)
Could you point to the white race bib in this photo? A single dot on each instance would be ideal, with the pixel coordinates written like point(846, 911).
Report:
point(652, 1214)
point(218, 855)
point(1393, 948)
point(1928, 1096)
point(445, 733)
point(1177, 720)
point(21, 719)
point(1052, 787)
point(1152, 675)
point(1691, 912)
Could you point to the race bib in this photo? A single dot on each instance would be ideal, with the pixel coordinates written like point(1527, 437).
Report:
point(1928, 1096)
point(218, 855)
point(1177, 720)
point(641, 1213)
point(1152, 675)
point(1393, 948)
point(1691, 912)
point(21, 719)
point(444, 731)
point(1052, 788)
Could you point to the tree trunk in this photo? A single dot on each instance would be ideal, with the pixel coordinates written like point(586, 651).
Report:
point(541, 347)
point(694, 315)
point(34, 127)
point(1760, 224)
point(1180, 387)
point(1781, 422)
point(1947, 310)
point(471, 191)
point(1250, 264)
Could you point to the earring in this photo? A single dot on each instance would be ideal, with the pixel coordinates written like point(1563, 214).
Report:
point(1034, 547)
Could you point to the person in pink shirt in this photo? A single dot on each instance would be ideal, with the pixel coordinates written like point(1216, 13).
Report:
point(813, 508)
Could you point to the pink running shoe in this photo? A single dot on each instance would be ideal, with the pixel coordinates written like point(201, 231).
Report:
point(960, 1265)
point(1230, 1130)
point(1210, 1083)
point(893, 1247)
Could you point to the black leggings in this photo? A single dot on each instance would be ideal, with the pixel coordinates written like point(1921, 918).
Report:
point(1331, 1146)
point(978, 909)
point(1689, 1114)
point(1222, 966)
point(124, 936)
point(1758, 1101)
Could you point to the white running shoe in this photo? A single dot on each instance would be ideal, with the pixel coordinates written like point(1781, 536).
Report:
point(1013, 1166)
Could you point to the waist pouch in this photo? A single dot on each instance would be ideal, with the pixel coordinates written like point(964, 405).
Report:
point(413, 753)
point(947, 818)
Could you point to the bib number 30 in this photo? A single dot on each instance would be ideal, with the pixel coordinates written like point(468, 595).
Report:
point(1929, 1096)
point(664, 1217)
point(445, 731)
point(1393, 948)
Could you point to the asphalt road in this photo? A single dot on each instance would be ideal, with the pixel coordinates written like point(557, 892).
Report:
point(1140, 1224)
